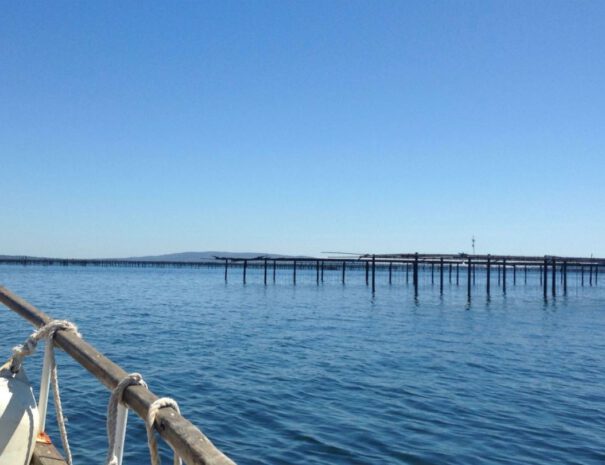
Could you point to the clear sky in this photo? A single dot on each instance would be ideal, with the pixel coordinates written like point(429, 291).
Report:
point(133, 128)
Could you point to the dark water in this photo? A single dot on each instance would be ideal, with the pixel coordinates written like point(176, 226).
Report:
point(327, 374)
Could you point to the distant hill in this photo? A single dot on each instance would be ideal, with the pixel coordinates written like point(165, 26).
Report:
point(171, 257)
point(206, 256)
point(20, 257)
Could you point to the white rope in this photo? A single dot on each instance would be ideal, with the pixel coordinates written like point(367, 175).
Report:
point(117, 396)
point(151, 415)
point(47, 332)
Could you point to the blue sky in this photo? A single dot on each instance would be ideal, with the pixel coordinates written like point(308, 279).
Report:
point(133, 128)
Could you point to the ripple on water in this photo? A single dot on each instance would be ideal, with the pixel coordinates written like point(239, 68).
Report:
point(314, 375)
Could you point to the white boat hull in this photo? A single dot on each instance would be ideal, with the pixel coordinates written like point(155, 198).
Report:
point(18, 419)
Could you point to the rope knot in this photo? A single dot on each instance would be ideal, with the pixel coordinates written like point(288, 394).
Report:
point(117, 398)
point(152, 412)
point(46, 331)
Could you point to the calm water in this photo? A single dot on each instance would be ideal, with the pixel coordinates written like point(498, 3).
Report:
point(327, 374)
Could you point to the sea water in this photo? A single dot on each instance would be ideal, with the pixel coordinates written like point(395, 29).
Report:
point(329, 373)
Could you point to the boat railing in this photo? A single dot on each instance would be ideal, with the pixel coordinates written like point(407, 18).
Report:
point(184, 438)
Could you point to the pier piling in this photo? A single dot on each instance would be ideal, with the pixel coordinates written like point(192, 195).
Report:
point(565, 278)
point(545, 279)
point(415, 275)
point(373, 274)
point(468, 281)
point(488, 275)
point(525, 275)
point(554, 277)
point(441, 277)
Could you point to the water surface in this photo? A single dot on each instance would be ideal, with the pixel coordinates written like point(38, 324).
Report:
point(330, 374)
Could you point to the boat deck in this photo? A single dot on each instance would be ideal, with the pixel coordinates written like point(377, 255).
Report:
point(47, 454)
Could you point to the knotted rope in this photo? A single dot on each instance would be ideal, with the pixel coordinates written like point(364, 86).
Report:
point(151, 415)
point(116, 398)
point(47, 332)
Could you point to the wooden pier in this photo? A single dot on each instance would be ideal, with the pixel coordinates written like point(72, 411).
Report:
point(551, 271)
point(554, 267)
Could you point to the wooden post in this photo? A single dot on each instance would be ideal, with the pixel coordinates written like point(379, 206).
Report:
point(596, 274)
point(294, 272)
point(373, 274)
point(540, 273)
point(322, 271)
point(245, 267)
point(441, 277)
point(468, 280)
point(343, 271)
point(525, 274)
point(390, 272)
point(545, 280)
point(274, 266)
point(590, 274)
point(504, 275)
point(499, 273)
point(474, 274)
point(554, 277)
point(265, 272)
point(514, 275)
point(367, 273)
point(407, 273)
point(582, 274)
point(488, 277)
point(415, 275)
point(457, 274)
point(565, 277)
point(450, 273)
point(226, 267)
point(432, 273)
